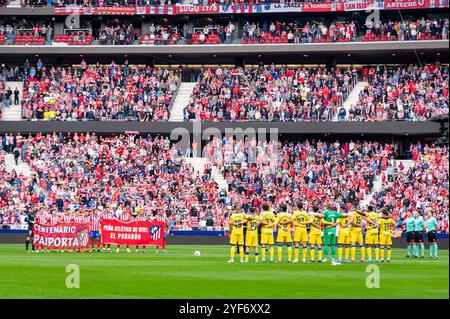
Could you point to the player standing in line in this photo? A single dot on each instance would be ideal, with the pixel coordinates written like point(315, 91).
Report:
point(124, 216)
point(419, 228)
point(431, 225)
point(142, 217)
point(300, 220)
point(237, 221)
point(268, 222)
point(161, 217)
point(387, 226)
point(345, 224)
point(95, 231)
point(410, 224)
point(315, 234)
point(106, 215)
point(251, 236)
point(284, 236)
point(41, 219)
point(356, 233)
point(372, 234)
point(331, 217)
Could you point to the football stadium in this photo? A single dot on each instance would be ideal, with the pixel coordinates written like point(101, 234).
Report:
point(224, 149)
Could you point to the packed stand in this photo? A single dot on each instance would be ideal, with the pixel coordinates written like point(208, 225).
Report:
point(98, 92)
point(269, 94)
point(422, 188)
point(282, 32)
point(407, 92)
point(160, 35)
point(211, 34)
point(121, 34)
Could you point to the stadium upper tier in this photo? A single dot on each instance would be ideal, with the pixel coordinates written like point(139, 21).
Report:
point(299, 30)
point(227, 94)
point(77, 173)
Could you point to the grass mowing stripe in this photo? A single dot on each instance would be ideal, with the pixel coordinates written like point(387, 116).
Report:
point(179, 274)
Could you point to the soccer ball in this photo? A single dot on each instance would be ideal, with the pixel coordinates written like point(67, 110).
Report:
point(197, 253)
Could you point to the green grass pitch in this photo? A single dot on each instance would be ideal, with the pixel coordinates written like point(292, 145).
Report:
point(179, 274)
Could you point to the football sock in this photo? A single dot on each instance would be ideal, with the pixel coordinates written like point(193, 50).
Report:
point(369, 252)
point(271, 252)
point(353, 250)
point(347, 252)
point(382, 253)
point(333, 252)
point(247, 254)
point(325, 252)
point(241, 252)
point(340, 249)
point(363, 252)
point(263, 253)
point(319, 253)
point(435, 250)
point(431, 250)
point(409, 250)
point(232, 251)
point(289, 251)
point(377, 253)
point(422, 250)
point(27, 244)
point(312, 252)
point(304, 252)
point(296, 253)
point(279, 252)
point(389, 253)
point(256, 257)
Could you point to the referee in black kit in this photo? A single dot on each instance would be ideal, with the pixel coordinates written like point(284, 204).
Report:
point(30, 220)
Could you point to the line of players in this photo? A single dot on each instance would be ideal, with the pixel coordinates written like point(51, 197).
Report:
point(94, 218)
point(379, 228)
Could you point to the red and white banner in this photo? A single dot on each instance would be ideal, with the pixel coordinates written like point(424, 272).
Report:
point(62, 235)
point(115, 10)
point(360, 5)
point(132, 233)
point(406, 4)
point(196, 9)
point(323, 7)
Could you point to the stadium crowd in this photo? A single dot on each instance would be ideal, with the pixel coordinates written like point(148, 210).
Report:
point(81, 172)
point(407, 92)
point(269, 94)
point(98, 92)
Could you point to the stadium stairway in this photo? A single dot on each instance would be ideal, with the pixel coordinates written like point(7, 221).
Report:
point(23, 168)
point(198, 163)
point(378, 185)
point(352, 98)
point(13, 112)
point(181, 101)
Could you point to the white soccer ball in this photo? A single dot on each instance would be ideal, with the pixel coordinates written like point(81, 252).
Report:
point(197, 253)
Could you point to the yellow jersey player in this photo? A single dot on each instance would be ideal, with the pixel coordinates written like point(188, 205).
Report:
point(284, 235)
point(315, 234)
point(237, 221)
point(372, 229)
point(251, 235)
point(345, 225)
point(387, 225)
point(268, 222)
point(301, 219)
point(356, 232)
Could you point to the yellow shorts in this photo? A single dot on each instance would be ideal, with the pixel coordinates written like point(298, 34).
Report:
point(315, 238)
point(300, 235)
point(385, 239)
point(267, 239)
point(237, 239)
point(344, 238)
point(251, 240)
point(356, 236)
point(284, 237)
point(372, 238)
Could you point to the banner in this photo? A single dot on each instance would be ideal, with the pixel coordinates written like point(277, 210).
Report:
point(323, 7)
point(361, 5)
point(196, 9)
point(132, 233)
point(191, 9)
point(62, 235)
point(406, 4)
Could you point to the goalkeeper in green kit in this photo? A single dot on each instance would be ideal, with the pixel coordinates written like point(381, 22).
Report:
point(329, 232)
